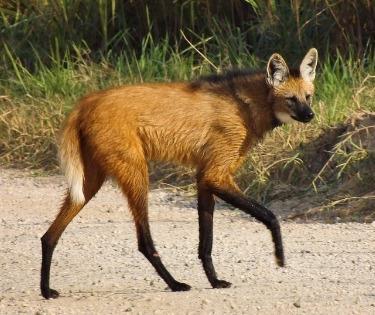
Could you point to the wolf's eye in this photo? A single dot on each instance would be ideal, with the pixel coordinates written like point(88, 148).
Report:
point(308, 97)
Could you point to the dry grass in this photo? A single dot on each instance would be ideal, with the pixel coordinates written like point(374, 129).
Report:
point(28, 132)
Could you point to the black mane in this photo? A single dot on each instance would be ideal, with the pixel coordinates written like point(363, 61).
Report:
point(229, 75)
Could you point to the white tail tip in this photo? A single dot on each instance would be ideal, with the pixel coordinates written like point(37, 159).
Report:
point(76, 193)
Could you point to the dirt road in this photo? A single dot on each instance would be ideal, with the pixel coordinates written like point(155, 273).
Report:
point(98, 270)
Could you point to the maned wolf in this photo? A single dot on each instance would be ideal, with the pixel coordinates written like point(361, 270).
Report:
point(209, 124)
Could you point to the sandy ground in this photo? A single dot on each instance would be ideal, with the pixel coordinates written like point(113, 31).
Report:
point(98, 270)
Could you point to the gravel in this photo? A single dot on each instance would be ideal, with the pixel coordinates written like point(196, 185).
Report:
point(98, 270)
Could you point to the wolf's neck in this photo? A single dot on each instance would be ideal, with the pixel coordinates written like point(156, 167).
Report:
point(253, 96)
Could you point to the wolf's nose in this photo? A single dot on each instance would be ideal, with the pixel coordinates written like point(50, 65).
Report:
point(307, 115)
point(310, 115)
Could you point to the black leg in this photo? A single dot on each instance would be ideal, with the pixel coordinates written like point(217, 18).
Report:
point(206, 204)
point(49, 240)
point(47, 251)
point(146, 247)
point(258, 212)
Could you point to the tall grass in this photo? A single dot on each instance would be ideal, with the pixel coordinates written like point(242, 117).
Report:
point(52, 27)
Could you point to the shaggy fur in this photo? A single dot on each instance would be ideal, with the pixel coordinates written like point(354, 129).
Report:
point(209, 124)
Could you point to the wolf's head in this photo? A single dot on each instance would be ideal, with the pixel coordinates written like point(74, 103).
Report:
point(292, 90)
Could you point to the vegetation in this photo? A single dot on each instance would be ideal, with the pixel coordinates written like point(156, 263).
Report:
point(54, 51)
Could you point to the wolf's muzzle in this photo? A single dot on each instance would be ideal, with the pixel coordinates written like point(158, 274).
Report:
point(304, 114)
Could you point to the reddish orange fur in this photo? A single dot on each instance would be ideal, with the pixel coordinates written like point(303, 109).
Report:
point(200, 125)
point(126, 126)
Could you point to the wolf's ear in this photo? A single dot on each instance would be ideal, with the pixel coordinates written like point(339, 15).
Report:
point(308, 65)
point(277, 70)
